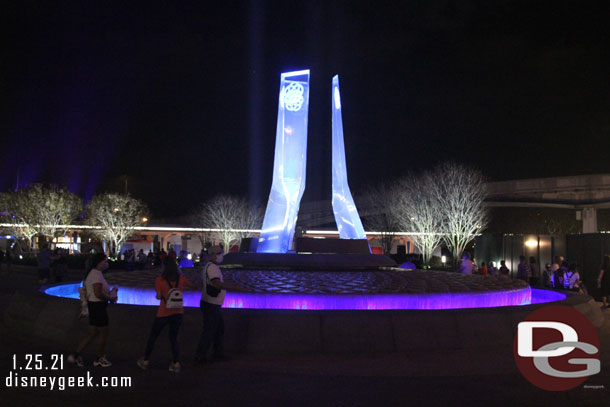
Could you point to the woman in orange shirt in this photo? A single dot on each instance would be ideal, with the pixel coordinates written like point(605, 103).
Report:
point(169, 290)
point(484, 269)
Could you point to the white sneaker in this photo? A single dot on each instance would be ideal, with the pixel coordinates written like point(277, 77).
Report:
point(142, 364)
point(175, 367)
point(77, 360)
point(102, 361)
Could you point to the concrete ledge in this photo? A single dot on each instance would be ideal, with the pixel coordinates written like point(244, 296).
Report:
point(281, 332)
point(362, 332)
point(471, 332)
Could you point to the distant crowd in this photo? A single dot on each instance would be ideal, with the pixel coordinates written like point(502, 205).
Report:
point(558, 275)
point(146, 261)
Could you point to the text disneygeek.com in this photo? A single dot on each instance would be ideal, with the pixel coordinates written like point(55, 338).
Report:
point(16, 380)
point(24, 366)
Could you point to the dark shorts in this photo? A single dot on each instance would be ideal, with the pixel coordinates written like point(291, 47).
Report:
point(98, 316)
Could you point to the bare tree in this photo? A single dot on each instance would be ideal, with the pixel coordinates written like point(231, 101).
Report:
point(117, 215)
point(378, 201)
point(40, 210)
point(416, 208)
point(230, 219)
point(204, 238)
point(461, 193)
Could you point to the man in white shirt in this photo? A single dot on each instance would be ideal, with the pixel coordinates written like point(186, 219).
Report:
point(212, 296)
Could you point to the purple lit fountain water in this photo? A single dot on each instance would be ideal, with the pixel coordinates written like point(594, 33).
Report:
point(393, 289)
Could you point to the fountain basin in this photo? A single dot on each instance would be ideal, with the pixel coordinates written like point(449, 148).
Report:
point(317, 312)
point(302, 301)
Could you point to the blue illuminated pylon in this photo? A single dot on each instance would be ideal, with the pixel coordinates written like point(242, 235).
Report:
point(289, 164)
point(344, 208)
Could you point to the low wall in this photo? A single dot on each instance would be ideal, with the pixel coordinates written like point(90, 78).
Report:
point(474, 331)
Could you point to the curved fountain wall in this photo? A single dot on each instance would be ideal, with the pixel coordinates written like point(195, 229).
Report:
point(345, 290)
point(431, 301)
point(424, 331)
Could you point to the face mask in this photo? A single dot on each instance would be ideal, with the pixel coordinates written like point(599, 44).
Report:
point(219, 258)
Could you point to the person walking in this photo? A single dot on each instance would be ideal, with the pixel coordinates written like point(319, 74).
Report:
point(504, 271)
point(8, 259)
point(212, 297)
point(547, 275)
point(603, 282)
point(98, 295)
point(141, 260)
point(523, 270)
point(169, 288)
point(534, 278)
point(44, 264)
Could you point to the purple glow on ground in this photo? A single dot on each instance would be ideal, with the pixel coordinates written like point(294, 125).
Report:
point(525, 296)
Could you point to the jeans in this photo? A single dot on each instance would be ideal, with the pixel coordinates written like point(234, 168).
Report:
point(213, 331)
point(174, 322)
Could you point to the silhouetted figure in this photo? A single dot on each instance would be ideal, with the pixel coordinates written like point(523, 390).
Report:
point(492, 269)
point(484, 270)
point(523, 270)
point(8, 259)
point(141, 257)
point(60, 264)
point(533, 271)
point(603, 282)
point(555, 270)
point(150, 259)
point(44, 264)
point(504, 271)
point(467, 265)
point(547, 275)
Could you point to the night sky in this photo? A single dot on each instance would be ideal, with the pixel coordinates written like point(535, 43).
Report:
point(178, 102)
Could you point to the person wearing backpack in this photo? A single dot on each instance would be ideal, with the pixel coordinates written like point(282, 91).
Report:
point(171, 309)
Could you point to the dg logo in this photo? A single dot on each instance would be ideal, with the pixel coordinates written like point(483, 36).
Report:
point(556, 348)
